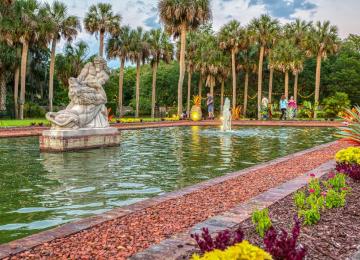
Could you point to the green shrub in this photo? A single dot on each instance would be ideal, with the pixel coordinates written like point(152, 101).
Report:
point(335, 199)
point(32, 110)
point(336, 104)
point(262, 221)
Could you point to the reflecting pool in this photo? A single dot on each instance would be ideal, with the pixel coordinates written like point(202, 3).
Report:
point(40, 191)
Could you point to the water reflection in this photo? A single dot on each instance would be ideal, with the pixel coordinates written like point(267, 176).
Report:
point(39, 191)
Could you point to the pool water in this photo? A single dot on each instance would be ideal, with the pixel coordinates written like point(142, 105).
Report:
point(40, 191)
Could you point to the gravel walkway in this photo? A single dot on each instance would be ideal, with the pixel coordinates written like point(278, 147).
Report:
point(122, 237)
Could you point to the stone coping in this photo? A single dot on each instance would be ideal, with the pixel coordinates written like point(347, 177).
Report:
point(37, 131)
point(182, 244)
point(65, 230)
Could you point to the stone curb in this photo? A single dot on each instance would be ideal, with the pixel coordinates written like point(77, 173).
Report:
point(65, 230)
point(181, 244)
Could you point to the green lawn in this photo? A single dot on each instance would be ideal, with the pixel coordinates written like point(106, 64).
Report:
point(25, 122)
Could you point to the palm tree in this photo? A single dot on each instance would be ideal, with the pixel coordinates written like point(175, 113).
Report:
point(230, 37)
point(322, 40)
point(139, 52)
point(298, 31)
point(263, 29)
point(119, 46)
point(101, 20)
point(7, 57)
point(64, 27)
point(286, 57)
point(161, 49)
point(180, 16)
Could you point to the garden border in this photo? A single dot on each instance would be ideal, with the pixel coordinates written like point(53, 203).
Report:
point(32, 241)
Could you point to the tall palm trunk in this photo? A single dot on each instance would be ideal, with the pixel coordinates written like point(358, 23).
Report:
point(296, 86)
point(222, 95)
point(16, 91)
point(182, 68)
point(261, 61)
point(24, 54)
point(51, 76)
point(121, 84)
point(188, 93)
point(101, 48)
point(271, 76)
point(137, 88)
point(200, 85)
point(153, 95)
point(233, 68)
point(287, 84)
point(2, 92)
point(246, 90)
point(317, 83)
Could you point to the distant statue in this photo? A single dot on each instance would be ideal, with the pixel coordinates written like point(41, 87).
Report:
point(226, 116)
point(87, 100)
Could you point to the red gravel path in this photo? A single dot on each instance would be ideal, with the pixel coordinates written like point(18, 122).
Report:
point(124, 236)
point(36, 131)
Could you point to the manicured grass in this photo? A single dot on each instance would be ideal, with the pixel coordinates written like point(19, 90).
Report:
point(25, 122)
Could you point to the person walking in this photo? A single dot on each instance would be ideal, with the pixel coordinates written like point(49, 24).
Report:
point(210, 105)
point(283, 107)
point(292, 106)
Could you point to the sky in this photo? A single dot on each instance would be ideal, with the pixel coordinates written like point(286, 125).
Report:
point(343, 13)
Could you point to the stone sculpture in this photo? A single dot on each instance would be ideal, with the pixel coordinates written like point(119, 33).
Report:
point(227, 116)
point(87, 100)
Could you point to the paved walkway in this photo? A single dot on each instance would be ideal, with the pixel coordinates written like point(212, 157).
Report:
point(126, 231)
point(36, 131)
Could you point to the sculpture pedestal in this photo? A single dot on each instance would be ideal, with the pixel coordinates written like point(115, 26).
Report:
point(80, 139)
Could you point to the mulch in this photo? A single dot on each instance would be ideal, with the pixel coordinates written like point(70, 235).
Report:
point(125, 236)
point(336, 236)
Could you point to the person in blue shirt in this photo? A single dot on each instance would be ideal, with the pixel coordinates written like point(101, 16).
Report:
point(283, 107)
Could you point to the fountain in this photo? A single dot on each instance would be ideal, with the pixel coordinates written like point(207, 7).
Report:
point(84, 123)
point(226, 116)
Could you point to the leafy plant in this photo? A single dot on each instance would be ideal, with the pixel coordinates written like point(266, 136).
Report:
point(243, 250)
point(222, 240)
point(197, 101)
point(348, 155)
point(336, 182)
point(336, 199)
point(351, 132)
point(262, 221)
point(236, 113)
point(308, 109)
point(282, 246)
point(352, 170)
point(311, 216)
point(314, 187)
point(300, 199)
point(337, 104)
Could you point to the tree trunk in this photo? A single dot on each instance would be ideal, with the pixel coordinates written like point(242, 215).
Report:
point(200, 85)
point(271, 76)
point(261, 60)
point(137, 89)
point(182, 69)
point(287, 85)
point(189, 93)
point(24, 54)
point(296, 86)
point(246, 90)
point(233, 68)
point(51, 76)
point(153, 95)
point(101, 49)
point(222, 96)
point(121, 84)
point(317, 83)
point(16, 91)
point(2, 93)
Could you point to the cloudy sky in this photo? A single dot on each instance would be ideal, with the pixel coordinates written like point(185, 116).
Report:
point(343, 13)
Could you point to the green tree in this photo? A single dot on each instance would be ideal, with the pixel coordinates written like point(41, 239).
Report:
point(7, 58)
point(139, 53)
point(231, 37)
point(100, 19)
point(322, 41)
point(64, 26)
point(263, 30)
point(119, 46)
point(160, 49)
point(179, 17)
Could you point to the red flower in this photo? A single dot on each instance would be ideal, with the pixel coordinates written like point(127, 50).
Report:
point(331, 175)
point(311, 190)
point(345, 188)
point(312, 175)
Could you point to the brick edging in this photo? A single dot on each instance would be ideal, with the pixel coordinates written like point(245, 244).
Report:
point(65, 230)
point(181, 244)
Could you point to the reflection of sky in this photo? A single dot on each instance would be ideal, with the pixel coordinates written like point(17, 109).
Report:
point(144, 13)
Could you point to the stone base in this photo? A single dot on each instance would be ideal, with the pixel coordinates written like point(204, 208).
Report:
point(80, 139)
